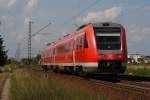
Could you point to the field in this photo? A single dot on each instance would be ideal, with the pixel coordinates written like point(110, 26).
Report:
point(26, 85)
point(138, 70)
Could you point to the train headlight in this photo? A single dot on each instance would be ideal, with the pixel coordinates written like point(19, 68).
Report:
point(101, 56)
point(119, 56)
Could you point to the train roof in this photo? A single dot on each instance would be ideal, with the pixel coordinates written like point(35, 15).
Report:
point(100, 24)
point(106, 24)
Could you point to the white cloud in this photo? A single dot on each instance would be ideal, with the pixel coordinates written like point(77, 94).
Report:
point(3, 4)
point(137, 34)
point(26, 20)
point(11, 3)
point(106, 15)
point(30, 5)
point(13, 34)
point(38, 38)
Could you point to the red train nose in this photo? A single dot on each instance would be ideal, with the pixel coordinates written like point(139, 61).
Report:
point(110, 56)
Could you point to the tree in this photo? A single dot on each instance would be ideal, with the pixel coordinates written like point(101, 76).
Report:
point(24, 61)
point(36, 59)
point(3, 53)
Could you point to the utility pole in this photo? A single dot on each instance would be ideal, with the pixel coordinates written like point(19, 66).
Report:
point(29, 43)
point(30, 39)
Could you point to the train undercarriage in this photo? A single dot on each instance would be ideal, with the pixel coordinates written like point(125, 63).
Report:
point(104, 67)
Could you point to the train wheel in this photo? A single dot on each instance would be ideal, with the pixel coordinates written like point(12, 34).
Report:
point(56, 69)
point(45, 68)
point(72, 71)
point(81, 73)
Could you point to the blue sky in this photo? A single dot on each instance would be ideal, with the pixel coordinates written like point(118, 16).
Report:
point(15, 14)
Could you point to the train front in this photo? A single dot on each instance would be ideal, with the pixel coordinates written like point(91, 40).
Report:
point(111, 45)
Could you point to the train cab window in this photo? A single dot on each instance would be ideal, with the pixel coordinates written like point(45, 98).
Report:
point(85, 41)
point(108, 38)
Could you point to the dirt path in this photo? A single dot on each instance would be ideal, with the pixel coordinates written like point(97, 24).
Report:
point(5, 92)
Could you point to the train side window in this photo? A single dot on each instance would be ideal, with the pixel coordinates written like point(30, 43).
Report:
point(77, 40)
point(53, 51)
point(61, 49)
point(49, 52)
point(85, 41)
point(42, 54)
point(79, 43)
point(66, 47)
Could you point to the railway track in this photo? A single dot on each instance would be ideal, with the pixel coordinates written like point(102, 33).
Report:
point(139, 89)
point(138, 84)
point(126, 86)
point(124, 80)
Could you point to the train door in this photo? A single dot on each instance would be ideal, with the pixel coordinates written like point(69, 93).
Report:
point(73, 51)
point(79, 50)
point(53, 56)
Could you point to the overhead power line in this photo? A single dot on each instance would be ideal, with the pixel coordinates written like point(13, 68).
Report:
point(135, 10)
point(38, 32)
point(81, 12)
point(87, 8)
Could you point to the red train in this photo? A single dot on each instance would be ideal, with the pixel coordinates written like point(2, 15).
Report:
point(93, 48)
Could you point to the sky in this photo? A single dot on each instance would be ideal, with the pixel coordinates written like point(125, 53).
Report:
point(65, 16)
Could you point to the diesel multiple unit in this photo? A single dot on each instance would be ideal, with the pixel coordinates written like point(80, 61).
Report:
point(92, 48)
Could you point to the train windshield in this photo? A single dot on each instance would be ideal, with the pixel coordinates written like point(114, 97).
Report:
point(108, 38)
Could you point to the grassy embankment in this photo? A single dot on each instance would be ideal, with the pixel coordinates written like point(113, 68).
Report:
point(28, 86)
point(138, 70)
point(3, 77)
point(4, 73)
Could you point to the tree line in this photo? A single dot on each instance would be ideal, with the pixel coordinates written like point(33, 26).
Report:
point(3, 53)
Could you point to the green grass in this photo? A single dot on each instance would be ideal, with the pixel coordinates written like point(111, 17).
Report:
point(28, 86)
point(143, 72)
point(138, 71)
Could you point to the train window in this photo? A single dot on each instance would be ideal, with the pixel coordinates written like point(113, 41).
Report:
point(108, 38)
point(66, 47)
point(63, 48)
point(79, 43)
point(52, 52)
point(85, 41)
point(42, 54)
point(49, 52)
point(60, 49)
